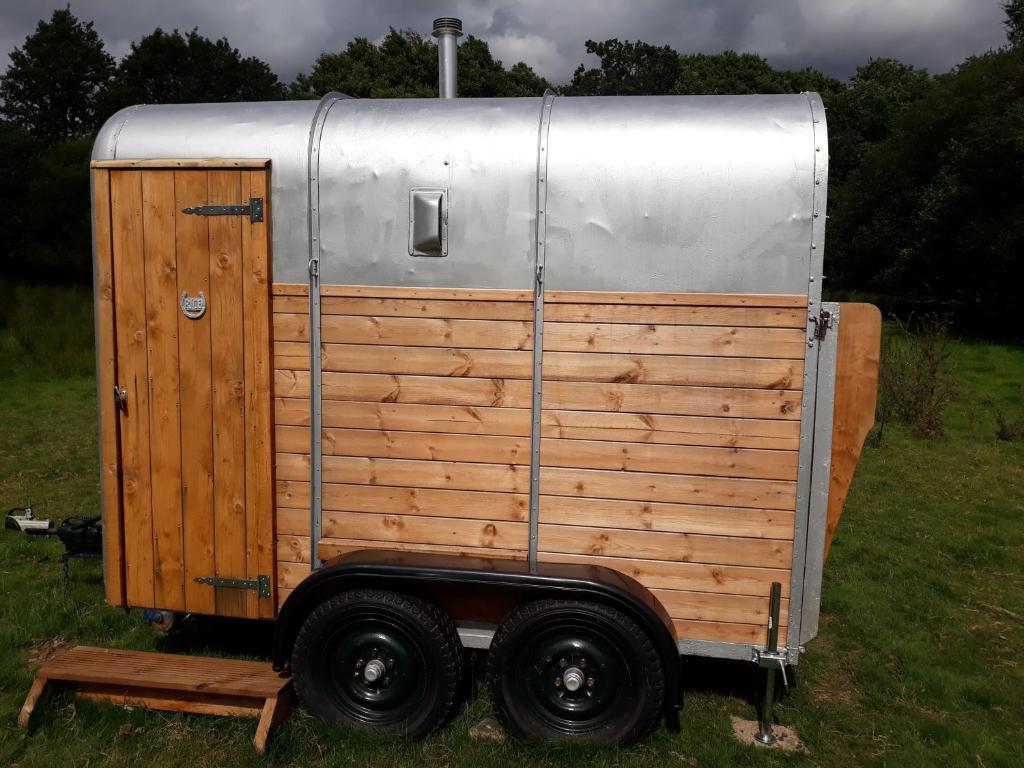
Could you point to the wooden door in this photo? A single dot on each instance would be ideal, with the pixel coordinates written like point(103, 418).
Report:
point(184, 315)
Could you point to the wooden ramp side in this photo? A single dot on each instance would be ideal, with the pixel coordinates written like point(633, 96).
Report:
point(194, 684)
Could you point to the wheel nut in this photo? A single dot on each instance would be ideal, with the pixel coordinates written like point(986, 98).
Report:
point(582, 664)
point(590, 682)
point(386, 682)
point(558, 682)
point(391, 663)
point(563, 663)
point(359, 664)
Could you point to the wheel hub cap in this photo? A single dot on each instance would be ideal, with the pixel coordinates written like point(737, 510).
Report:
point(373, 670)
point(572, 679)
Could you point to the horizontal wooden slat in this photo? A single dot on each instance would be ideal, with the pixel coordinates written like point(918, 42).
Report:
point(292, 521)
point(584, 425)
point(558, 395)
point(290, 575)
point(291, 384)
point(754, 373)
point(682, 489)
point(403, 473)
point(416, 332)
point(587, 454)
point(680, 518)
point(290, 289)
point(292, 466)
point(335, 547)
point(395, 292)
point(452, 309)
point(293, 496)
point(679, 401)
point(282, 595)
point(678, 299)
point(674, 340)
point(723, 632)
point(660, 545)
point(428, 390)
point(428, 361)
point(291, 410)
point(672, 459)
point(702, 606)
point(293, 355)
point(422, 530)
point(672, 430)
point(291, 327)
point(737, 316)
point(427, 502)
point(294, 549)
point(704, 577)
point(174, 163)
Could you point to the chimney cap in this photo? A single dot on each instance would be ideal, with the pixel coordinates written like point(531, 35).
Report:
point(447, 25)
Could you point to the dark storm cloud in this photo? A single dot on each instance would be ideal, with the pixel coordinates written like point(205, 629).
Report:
point(833, 35)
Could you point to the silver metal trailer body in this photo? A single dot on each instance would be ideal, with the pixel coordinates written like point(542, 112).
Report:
point(635, 194)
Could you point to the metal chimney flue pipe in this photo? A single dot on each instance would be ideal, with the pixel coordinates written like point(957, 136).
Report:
point(447, 30)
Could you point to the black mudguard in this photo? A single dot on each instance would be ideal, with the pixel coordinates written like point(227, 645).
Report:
point(421, 574)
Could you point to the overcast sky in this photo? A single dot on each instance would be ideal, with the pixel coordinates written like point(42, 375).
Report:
point(833, 35)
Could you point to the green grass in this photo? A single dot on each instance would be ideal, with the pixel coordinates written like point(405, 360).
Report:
point(913, 665)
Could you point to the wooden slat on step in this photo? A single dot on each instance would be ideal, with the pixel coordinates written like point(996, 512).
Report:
point(158, 216)
point(194, 344)
point(130, 289)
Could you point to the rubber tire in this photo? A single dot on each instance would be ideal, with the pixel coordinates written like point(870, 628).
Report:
point(507, 689)
point(436, 642)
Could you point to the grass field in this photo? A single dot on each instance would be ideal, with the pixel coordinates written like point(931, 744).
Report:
point(920, 661)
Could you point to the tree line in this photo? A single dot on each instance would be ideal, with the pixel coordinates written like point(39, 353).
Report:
point(926, 181)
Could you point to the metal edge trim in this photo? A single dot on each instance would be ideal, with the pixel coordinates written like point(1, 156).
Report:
point(821, 464)
point(315, 373)
point(540, 248)
point(117, 134)
point(807, 416)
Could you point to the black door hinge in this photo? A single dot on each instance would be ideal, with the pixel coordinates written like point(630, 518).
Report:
point(261, 583)
point(254, 210)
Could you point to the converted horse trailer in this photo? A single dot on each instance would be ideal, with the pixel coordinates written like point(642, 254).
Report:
point(546, 377)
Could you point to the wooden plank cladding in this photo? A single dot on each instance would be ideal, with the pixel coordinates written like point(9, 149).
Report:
point(670, 427)
point(692, 488)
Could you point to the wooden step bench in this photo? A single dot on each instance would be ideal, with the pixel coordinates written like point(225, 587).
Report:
point(195, 684)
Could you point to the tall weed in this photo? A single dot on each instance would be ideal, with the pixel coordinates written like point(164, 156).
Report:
point(916, 381)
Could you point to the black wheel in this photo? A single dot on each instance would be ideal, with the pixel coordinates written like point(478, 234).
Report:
point(563, 669)
point(378, 660)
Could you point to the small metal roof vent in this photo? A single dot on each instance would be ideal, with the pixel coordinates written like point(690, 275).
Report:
point(447, 30)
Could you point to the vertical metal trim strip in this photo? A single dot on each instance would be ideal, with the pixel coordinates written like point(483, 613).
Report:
point(821, 466)
point(315, 373)
point(807, 416)
point(540, 245)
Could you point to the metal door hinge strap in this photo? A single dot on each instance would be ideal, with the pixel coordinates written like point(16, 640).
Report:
point(254, 210)
point(261, 583)
point(822, 322)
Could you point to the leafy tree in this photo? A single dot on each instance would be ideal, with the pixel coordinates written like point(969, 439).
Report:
point(405, 65)
point(1014, 22)
point(626, 69)
point(865, 112)
point(934, 214)
point(52, 81)
point(171, 68)
point(730, 72)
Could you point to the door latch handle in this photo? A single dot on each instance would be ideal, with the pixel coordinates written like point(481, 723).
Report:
point(121, 399)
